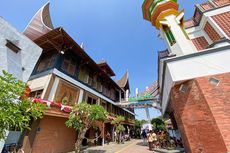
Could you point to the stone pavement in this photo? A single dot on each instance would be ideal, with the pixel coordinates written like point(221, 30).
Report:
point(133, 146)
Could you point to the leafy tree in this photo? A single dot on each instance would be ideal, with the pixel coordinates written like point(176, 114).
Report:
point(82, 117)
point(117, 122)
point(158, 123)
point(138, 125)
point(16, 109)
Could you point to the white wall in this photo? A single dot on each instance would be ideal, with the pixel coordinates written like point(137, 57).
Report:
point(203, 65)
point(168, 83)
point(14, 62)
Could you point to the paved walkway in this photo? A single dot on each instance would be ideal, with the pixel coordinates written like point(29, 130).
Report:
point(133, 146)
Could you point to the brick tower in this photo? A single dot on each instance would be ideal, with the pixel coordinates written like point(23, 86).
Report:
point(193, 72)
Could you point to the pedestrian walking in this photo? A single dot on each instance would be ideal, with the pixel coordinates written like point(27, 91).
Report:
point(115, 136)
point(144, 136)
point(108, 138)
point(122, 138)
point(96, 138)
point(152, 138)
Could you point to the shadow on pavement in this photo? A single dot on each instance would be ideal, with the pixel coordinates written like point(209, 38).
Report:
point(142, 144)
point(93, 151)
point(180, 150)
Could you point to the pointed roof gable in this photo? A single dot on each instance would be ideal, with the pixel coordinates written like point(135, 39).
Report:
point(106, 68)
point(40, 24)
point(152, 89)
point(124, 81)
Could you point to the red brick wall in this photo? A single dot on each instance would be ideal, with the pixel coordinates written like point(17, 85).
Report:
point(199, 130)
point(211, 32)
point(223, 20)
point(200, 43)
point(218, 99)
point(54, 136)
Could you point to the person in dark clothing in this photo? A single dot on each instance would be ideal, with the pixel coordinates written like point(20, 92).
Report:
point(144, 136)
point(108, 138)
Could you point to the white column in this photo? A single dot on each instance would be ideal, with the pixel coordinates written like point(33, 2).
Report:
point(119, 95)
point(46, 86)
point(98, 101)
point(147, 114)
point(103, 139)
point(127, 95)
point(80, 98)
point(136, 92)
point(54, 89)
point(183, 45)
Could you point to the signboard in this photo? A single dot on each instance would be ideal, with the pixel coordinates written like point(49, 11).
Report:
point(140, 98)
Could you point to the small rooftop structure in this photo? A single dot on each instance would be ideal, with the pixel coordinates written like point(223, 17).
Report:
point(106, 68)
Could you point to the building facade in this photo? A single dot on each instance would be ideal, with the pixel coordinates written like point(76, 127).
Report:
point(193, 72)
point(18, 54)
point(65, 75)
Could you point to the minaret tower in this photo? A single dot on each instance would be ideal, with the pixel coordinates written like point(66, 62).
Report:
point(164, 15)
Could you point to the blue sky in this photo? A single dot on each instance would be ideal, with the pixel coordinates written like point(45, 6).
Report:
point(113, 30)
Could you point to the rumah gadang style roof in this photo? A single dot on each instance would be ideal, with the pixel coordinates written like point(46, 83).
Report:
point(124, 81)
point(40, 24)
point(40, 29)
point(106, 68)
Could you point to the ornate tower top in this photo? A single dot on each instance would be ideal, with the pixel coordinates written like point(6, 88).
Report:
point(164, 15)
point(154, 10)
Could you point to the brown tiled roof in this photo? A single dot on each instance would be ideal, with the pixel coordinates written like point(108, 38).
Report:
point(207, 6)
point(195, 20)
point(221, 2)
point(57, 38)
point(200, 43)
point(124, 81)
point(152, 89)
point(40, 24)
point(105, 67)
point(211, 32)
point(223, 21)
point(189, 23)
